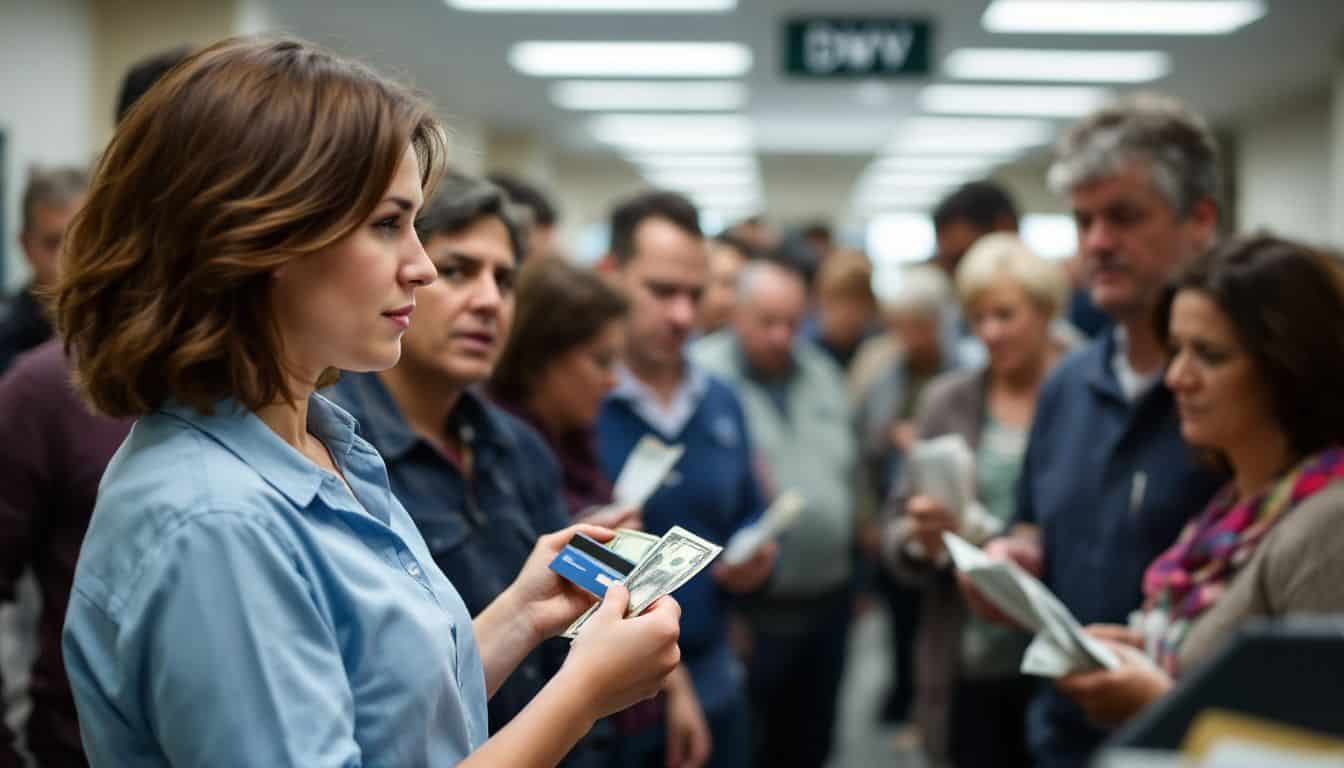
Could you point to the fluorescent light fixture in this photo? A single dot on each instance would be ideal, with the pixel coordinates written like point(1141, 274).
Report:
point(1036, 100)
point(1121, 17)
point(629, 59)
point(670, 133)
point(969, 135)
point(890, 178)
point(1040, 65)
point(725, 198)
point(873, 199)
point(659, 96)
point(965, 164)
point(899, 238)
point(651, 162)
point(697, 178)
point(798, 132)
point(594, 6)
point(1050, 235)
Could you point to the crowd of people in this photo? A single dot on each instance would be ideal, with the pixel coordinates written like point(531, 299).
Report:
point(295, 416)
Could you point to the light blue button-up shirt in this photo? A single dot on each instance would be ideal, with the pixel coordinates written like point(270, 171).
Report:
point(235, 606)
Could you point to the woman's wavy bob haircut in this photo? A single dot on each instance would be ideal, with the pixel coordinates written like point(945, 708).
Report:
point(249, 154)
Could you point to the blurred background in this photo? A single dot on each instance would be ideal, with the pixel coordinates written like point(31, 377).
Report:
point(855, 114)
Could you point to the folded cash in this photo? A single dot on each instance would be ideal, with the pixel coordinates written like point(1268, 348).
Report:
point(1060, 646)
point(667, 563)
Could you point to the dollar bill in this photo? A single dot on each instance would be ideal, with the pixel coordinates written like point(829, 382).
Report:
point(632, 545)
point(678, 556)
point(672, 561)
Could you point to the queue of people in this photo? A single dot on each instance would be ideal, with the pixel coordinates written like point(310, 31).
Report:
point(296, 417)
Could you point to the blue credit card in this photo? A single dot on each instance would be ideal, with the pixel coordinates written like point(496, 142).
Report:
point(590, 565)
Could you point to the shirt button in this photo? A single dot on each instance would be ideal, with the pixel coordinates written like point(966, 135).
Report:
point(414, 570)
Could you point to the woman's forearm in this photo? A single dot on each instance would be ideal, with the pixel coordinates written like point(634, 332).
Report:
point(543, 733)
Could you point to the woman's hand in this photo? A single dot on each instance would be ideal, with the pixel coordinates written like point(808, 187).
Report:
point(688, 738)
point(618, 662)
point(929, 518)
point(1112, 696)
point(1116, 633)
point(546, 601)
point(613, 517)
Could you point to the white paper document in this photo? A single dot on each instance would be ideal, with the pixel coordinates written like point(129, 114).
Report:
point(645, 470)
point(782, 513)
point(943, 468)
point(1060, 646)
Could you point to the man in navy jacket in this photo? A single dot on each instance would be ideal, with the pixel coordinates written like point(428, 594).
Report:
point(658, 255)
point(1107, 483)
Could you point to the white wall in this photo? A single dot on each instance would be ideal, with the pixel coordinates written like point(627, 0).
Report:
point(45, 58)
point(1283, 171)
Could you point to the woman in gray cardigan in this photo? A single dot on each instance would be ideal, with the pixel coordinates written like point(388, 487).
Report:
point(1257, 346)
point(970, 698)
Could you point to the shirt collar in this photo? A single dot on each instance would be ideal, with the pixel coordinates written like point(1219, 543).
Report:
point(669, 420)
point(278, 463)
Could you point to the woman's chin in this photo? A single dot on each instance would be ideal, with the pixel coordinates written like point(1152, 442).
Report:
point(375, 360)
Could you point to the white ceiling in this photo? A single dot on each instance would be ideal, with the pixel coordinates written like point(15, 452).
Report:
point(460, 59)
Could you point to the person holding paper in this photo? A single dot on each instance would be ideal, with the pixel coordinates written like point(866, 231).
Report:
point(250, 591)
point(796, 407)
point(970, 698)
point(1106, 482)
point(1257, 367)
point(558, 365)
point(658, 258)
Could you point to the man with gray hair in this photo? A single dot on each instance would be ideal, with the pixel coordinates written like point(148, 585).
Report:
point(50, 201)
point(798, 416)
point(1107, 483)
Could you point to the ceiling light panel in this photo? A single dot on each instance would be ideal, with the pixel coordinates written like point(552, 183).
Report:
point(673, 133)
point(702, 179)
point(594, 6)
point(722, 162)
point(1062, 66)
point(1121, 17)
point(969, 164)
point(651, 96)
point(1035, 100)
point(630, 59)
point(969, 135)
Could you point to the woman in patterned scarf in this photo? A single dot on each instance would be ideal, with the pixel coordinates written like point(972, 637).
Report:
point(1255, 331)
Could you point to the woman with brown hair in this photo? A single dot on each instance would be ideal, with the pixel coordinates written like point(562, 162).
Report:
point(1257, 364)
point(249, 591)
point(559, 364)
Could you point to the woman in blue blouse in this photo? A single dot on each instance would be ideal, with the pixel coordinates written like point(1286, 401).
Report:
point(250, 592)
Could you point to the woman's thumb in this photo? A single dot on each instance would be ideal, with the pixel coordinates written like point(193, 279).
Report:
point(614, 603)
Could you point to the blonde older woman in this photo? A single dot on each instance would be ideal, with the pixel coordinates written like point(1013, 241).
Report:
point(970, 698)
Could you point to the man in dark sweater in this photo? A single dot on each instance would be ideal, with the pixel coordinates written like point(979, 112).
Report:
point(658, 255)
